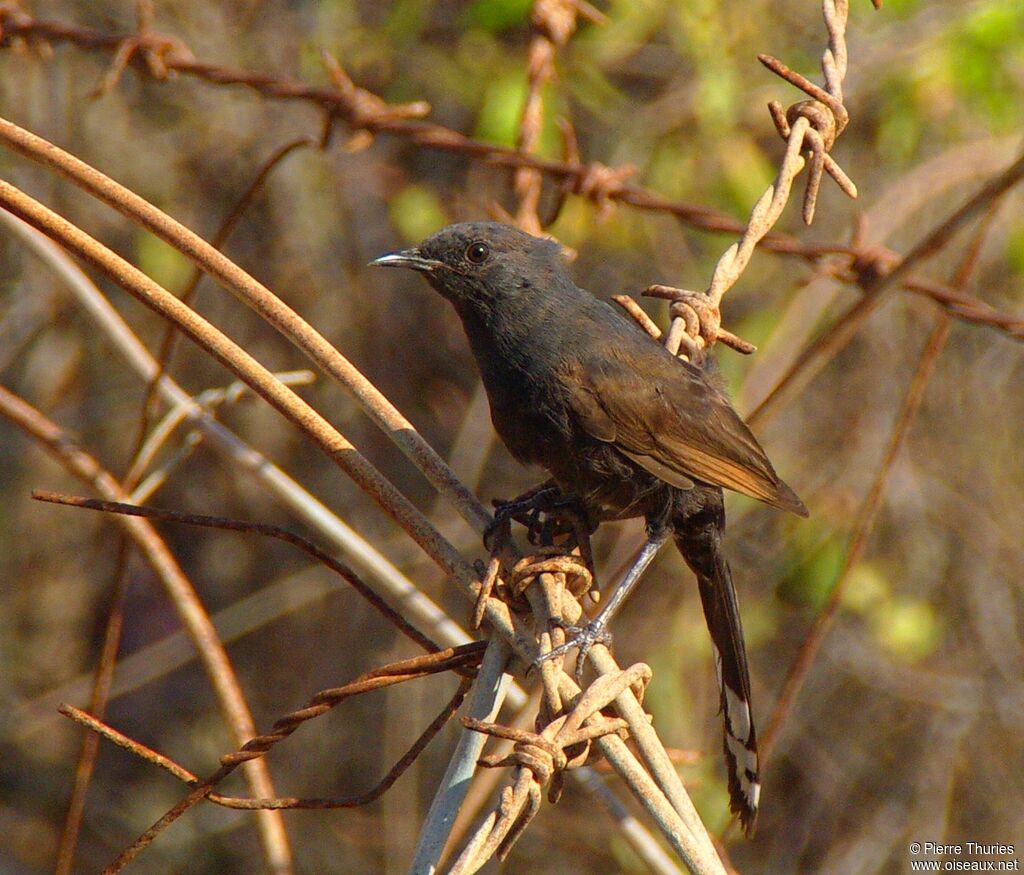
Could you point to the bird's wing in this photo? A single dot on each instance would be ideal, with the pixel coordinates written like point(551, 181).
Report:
point(666, 417)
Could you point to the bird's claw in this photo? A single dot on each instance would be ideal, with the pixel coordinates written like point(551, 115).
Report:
point(497, 526)
point(582, 638)
point(528, 509)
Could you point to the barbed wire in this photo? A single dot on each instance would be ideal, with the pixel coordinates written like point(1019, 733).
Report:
point(366, 114)
point(810, 132)
point(867, 514)
point(657, 785)
point(181, 594)
point(263, 529)
point(808, 127)
point(457, 659)
point(554, 571)
point(540, 760)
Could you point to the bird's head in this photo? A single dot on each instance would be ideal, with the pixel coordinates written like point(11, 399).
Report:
point(483, 264)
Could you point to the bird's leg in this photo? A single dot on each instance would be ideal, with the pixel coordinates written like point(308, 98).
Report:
point(547, 498)
point(596, 631)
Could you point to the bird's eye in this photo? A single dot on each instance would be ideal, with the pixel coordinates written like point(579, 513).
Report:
point(478, 252)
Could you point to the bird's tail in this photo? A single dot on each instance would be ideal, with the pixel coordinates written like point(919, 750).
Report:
point(701, 548)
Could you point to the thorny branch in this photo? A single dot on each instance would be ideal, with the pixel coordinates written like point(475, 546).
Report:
point(592, 180)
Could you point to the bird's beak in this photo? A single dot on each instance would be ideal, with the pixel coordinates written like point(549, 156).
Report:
point(409, 258)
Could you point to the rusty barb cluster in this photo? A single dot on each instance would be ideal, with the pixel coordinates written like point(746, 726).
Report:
point(547, 584)
point(541, 758)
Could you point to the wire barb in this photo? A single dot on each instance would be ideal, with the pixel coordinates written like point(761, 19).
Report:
point(158, 52)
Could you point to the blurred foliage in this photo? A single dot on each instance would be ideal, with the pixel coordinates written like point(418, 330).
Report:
point(417, 212)
point(497, 15)
point(909, 725)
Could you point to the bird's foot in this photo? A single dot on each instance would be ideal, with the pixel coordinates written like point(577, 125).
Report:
point(582, 638)
point(528, 509)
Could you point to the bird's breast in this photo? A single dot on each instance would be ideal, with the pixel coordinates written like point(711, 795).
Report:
point(527, 414)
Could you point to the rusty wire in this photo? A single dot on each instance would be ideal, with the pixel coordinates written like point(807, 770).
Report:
point(367, 117)
point(181, 593)
point(320, 704)
point(882, 275)
point(553, 22)
point(255, 375)
point(660, 790)
point(808, 127)
point(871, 505)
point(458, 659)
point(591, 180)
point(663, 794)
point(227, 226)
point(541, 759)
point(232, 449)
point(544, 580)
point(308, 547)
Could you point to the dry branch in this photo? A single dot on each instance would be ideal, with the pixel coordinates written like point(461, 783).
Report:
point(99, 699)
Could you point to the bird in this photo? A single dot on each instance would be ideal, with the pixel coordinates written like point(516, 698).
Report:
point(624, 428)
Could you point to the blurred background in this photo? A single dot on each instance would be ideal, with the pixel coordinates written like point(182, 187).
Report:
point(910, 722)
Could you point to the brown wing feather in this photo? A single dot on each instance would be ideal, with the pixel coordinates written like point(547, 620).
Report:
point(673, 423)
point(652, 466)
